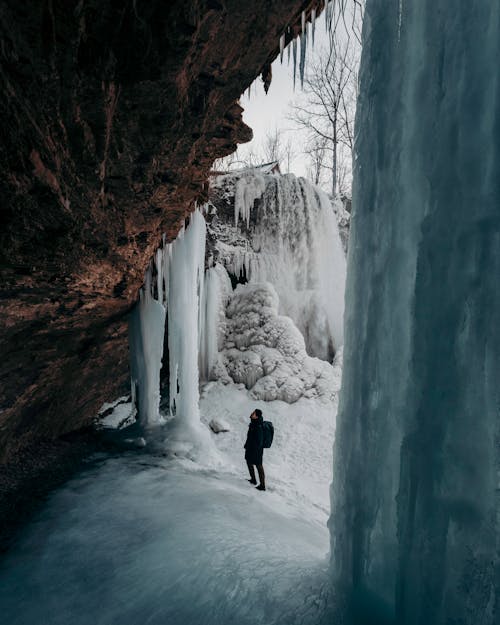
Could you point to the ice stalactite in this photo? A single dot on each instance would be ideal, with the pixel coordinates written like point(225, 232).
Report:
point(294, 44)
point(185, 258)
point(179, 295)
point(415, 507)
point(217, 289)
point(248, 189)
point(303, 50)
point(146, 333)
point(186, 264)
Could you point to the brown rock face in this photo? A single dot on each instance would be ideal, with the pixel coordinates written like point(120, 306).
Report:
point(111, 116)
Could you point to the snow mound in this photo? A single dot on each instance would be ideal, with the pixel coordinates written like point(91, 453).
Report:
point(266, 352)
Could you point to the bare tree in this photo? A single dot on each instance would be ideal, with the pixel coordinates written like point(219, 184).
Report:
point(276, 147)
point(327, 114)
point(317, 156)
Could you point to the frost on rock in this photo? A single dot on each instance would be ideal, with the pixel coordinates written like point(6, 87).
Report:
point(266, 352)
point(218, 425)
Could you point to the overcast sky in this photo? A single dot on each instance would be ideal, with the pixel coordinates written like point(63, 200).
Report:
point(264, 113)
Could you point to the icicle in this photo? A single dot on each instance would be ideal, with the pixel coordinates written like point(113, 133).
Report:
point(313, 24)
point(294, 60)
point(146, 331)
point(329, 9)
point(159, 274)
point(282, 46)
point(288, 50)
point(303, 21)
point(246, 192)
point(209, 323)
point(303, 48)
point(148, 281)
point(187, 260)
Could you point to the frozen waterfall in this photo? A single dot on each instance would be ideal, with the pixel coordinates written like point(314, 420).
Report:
point(289, 237)
point(415, 507)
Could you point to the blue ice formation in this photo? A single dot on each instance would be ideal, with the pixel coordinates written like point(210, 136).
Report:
point(415, 509)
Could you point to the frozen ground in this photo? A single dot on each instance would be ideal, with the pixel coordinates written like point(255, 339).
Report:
point(299, 464)
point(143, 538)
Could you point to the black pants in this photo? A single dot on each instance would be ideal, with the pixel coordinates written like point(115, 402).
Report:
point(260, 470)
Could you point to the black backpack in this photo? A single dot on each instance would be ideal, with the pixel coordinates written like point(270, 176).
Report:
point(268, 428)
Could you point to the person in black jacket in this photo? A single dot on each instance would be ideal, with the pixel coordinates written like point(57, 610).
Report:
point(254, 448)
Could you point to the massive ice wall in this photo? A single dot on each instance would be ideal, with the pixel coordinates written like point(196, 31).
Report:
point(415, 508)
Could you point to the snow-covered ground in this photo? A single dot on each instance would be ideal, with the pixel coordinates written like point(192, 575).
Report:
point(160, 539)
point(298, 466)
point(143, 539)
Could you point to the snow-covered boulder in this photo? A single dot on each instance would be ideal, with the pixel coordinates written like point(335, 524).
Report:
point(218, 425)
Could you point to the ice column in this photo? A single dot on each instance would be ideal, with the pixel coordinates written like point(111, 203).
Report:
point(186, 266)
point(415, 508)
point(146, 333)
point(209, 323)
point(178, 277)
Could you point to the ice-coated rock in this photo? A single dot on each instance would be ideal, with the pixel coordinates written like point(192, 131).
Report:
point(219, 425)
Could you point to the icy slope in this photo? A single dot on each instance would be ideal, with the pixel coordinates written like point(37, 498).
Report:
point(141, 540)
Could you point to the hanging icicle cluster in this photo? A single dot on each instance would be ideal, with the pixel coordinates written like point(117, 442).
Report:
point(173, 288)
point(308, 31)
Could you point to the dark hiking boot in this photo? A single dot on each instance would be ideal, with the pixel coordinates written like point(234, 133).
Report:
point(252, 481)
point(261, 487)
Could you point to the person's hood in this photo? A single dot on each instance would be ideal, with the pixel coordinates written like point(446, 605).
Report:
point(258, 421)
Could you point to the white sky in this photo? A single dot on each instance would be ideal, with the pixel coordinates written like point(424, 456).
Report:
point(263, 113)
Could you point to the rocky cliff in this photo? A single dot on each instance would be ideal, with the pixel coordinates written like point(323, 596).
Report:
point(112, 114)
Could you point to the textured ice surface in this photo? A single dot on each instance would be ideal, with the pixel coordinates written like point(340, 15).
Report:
point(415, 514)
point(142, 541)
point(266, 352)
